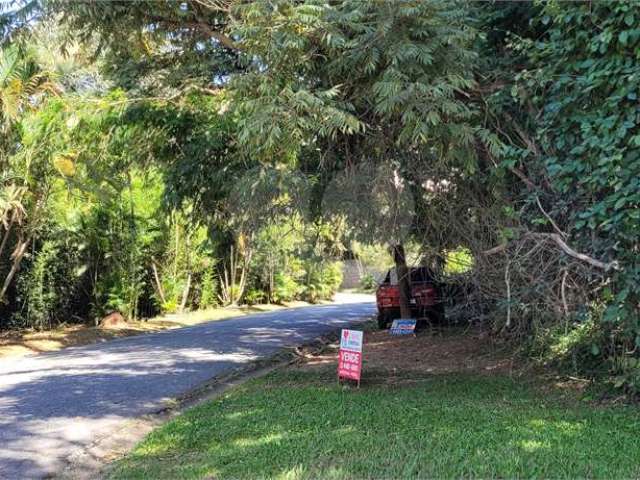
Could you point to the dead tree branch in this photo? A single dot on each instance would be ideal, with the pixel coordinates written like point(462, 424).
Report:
point(557, 238)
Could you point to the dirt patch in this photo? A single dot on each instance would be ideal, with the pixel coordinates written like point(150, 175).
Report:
point(113, 320)
point(404, 360)
point(394, 359)
point(29, 341)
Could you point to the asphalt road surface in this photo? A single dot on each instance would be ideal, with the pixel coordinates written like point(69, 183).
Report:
point(54, 404)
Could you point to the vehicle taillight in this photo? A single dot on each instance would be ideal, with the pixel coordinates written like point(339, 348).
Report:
point(425, 294)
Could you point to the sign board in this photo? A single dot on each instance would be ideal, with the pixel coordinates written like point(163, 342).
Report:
point(350, 355)
point(403, 327)
point(351, 340)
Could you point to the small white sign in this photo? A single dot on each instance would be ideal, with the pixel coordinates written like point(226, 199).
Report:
point(351, 340)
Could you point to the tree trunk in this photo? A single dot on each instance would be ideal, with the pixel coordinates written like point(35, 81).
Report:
point(271, 278)
point(158, 284)
point(21, 249)
point(404, 284)
point(185, 294)
point(6, 235)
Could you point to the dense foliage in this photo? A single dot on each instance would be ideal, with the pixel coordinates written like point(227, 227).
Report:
point(569, 123)
point(222, 151)
point(589, 137)
point(112, 203)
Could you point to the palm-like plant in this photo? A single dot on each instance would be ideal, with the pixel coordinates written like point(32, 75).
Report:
point(22, 86)
point(17, 15)
point(11, 208)
point(22, 82)
point(12, 214)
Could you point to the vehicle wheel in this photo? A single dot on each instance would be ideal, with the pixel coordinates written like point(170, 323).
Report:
point(383, 321)
point(422, 323)
point(437, 313)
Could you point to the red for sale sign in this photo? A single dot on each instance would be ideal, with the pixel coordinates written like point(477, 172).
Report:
point(350, 355)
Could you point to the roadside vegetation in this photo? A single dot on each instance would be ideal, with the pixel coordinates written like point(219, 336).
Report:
point(180, 156)
point(94, 220)
point(464, 411)
point(160, 157)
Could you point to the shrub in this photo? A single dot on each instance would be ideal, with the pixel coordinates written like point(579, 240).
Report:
point(47, 289)
point(254, 296)
point(208, 290)
point(286, 288)
point(368, 282)
point(39, 289)
point(627, 374)
point(323, 280)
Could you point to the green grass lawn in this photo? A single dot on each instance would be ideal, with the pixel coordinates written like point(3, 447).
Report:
point(300, 424)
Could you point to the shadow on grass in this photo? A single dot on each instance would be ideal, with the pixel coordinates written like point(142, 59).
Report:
point(297, 424)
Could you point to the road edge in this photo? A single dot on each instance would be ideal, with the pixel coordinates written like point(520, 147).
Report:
point(94, 460)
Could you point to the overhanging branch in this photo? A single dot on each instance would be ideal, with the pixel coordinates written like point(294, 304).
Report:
point(201, 26)
point(558, 240)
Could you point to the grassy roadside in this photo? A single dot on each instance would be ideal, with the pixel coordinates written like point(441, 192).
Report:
point(462, 415)
point(26, 342)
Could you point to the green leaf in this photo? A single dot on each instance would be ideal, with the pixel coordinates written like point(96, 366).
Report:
point(620, 203)
point(629, 19)
point(623, 37)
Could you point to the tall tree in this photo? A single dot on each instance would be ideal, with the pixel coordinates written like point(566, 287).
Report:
point(150, 46)
point(379, 82)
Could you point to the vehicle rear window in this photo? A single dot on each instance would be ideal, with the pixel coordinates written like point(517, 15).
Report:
point(418, 275)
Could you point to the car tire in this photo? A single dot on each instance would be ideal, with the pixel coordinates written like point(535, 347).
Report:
point(383, 321)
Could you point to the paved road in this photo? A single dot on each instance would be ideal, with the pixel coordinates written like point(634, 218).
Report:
point(54, 405)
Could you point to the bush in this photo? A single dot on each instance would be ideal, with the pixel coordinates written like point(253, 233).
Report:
point(587, 147)
point(208, 290)
point(39, 289)
point(323, 280)
point(47, 289)
point(255, 296)
point(572, 348)
point(286, 288)
point(368, 282)
point(627, 374)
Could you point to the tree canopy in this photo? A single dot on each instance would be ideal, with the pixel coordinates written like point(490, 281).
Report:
point(226, 151)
